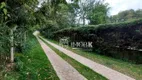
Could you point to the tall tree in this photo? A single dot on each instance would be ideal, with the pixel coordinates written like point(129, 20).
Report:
point(98, 13)
point(93, 10)
point(57, 15)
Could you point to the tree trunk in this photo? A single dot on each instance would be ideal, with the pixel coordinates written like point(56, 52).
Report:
point(83, 19)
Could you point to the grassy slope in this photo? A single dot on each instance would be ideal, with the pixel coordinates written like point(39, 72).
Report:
point(85, 71)
point(32, 65)
point(127, 68)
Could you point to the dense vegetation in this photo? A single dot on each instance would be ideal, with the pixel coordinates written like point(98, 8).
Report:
point(66, 15)
point(16, 21)
point(19, 18)
point(126, 15)
point(120, 40)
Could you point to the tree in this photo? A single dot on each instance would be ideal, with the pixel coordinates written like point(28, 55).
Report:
point(93, 10)
point(85, 8)
point(126, 15)
point(55, 16)
point(73, 12)
point(17, 16)
point(98, 13)
point(138, 13)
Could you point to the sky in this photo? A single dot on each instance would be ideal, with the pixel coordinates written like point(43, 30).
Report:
point(40, 2)
point(121, 5)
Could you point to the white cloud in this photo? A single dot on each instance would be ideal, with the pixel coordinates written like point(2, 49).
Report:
point(121, 5)
point(69, 1)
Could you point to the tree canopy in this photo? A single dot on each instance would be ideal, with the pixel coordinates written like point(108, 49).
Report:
point(126, 15)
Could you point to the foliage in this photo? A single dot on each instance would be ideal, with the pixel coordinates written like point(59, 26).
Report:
point(4, 39)
point(96, 11)
point(4, 36)
point(126, 15)
point(55, 16)
point(16, 18)
point(103, 26)
point(110, 39)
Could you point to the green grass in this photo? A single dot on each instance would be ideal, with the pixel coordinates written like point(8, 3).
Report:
point(127, 68)
point(84, 70)
point(32, 65)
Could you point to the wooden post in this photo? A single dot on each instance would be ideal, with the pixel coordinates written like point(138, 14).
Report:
point(12, 44)
point(12, 47)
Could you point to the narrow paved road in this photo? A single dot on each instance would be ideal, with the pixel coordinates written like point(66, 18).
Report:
point(101, 69)
point(64, 70)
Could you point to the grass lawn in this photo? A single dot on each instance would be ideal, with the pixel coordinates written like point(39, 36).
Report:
point(84, 70)
point(32, 65)
point(127, 68)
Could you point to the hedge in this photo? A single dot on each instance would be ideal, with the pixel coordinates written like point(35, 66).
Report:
point(118, 40)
